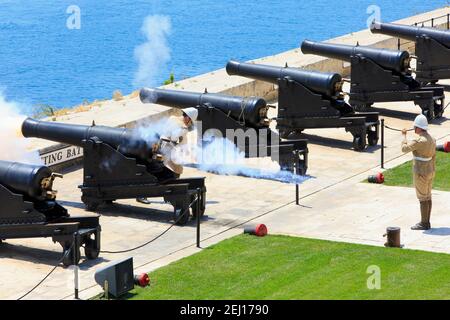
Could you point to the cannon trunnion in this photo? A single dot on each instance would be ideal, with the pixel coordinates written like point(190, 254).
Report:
point(381, 75)
point(311, 99)
point(29, 210)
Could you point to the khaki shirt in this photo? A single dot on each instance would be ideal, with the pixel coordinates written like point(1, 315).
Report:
point(178, 138)
point(423, 146)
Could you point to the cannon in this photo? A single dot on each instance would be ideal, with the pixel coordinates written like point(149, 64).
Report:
point(311, 99)
point(242, 120)
point(28, 209)
point(252, 110)
point(118, 163)
point(381, 75)
point(432, 48)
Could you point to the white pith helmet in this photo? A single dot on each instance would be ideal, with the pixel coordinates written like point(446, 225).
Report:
point(421, 122)
point(191, 113)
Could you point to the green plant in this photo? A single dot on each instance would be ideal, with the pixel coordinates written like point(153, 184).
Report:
point(170, 80)
point(43, 110)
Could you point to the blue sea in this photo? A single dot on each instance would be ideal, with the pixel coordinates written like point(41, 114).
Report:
point(53, 54)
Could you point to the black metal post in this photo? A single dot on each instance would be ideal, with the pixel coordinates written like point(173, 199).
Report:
point(448, 21)
point(398, 43)
point(432, 22)
point(297, 187)
point(198, 217)
point(382, 143)
point(75, 262)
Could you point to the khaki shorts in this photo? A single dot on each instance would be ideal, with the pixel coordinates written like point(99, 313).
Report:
point(423, 184)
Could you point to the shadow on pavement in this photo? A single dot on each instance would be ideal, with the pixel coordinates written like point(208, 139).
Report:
point(36, 255)
point(334, 143)
point(442, 231)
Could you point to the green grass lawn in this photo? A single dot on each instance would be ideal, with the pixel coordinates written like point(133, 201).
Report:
point(402, 175)
point(282, 267)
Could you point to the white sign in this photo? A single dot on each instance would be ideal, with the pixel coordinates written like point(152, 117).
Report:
point(61, 155)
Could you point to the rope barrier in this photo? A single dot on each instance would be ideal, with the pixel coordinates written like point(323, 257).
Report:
point(159, 235)
point(395, 129)
point(48, 274)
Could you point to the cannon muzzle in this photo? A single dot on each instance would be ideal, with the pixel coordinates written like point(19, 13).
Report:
point(329, 84)
point(252, 110)
point(34, 181)
point(410, 32)
point(393, 60)
point(124, 140)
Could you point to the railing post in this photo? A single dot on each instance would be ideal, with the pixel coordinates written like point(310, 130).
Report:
point(75, 250)
point(382, 144)
point(297, 187)
point(448, 21)
point(198, 208)
point(398, 43)
point(432, 22)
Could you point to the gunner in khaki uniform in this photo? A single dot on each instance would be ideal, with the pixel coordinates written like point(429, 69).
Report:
point(180, 126)
point(423, 148)
point(177, 139)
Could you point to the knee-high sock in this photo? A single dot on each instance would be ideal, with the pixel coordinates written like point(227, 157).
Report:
point(424, 211)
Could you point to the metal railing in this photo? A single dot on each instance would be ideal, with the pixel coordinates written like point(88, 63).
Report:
point(433, 24)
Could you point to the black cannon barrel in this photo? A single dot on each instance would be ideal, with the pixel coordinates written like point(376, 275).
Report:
point(251, 109)
point(24, 178)
point(125, 140)
point(410, 32)
point(321, 82)
point(390, 59)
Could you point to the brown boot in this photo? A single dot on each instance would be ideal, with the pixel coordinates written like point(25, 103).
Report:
point(425, 209)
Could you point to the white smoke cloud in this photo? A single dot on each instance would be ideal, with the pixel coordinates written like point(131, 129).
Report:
point(153, 55)
point(13, 146)
point(217, 155)
point(151, 132)
point(223, 157)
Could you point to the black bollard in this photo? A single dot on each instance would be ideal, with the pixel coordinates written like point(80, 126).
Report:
point(393, 237)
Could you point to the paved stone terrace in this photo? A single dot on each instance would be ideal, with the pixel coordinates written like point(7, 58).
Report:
point(334, 204)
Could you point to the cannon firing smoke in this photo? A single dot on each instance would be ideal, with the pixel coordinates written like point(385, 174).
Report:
point(13, 145)
point(153, 55)
point(222, 157)
point(217, 155)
